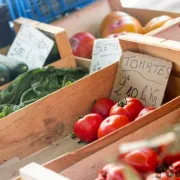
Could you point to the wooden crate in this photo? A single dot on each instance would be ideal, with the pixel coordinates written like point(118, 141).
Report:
point(89, 18)
point(57, 34)
point(89, 167)
point(58, 112)
point(169, 31)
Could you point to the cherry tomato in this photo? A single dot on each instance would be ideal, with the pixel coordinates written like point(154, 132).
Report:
point(102, 107)
point(112, 123)
point(86, 128)
point(145, 111)
point(118, 172)
point(129, 107)
point(161, 176)
point(143, 160)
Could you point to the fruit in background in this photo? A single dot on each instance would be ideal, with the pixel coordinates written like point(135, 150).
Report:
point(86, 128)
point(102, 107)
point(118, 172)
point(111, 124)
point(4, 74)
point(82, 44)
point(120, 24)
point(156, 23)
point(110, 17)
point(145, 111)
point(143, 160)
point(129, 107)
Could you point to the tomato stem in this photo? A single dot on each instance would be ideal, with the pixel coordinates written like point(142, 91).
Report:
point(122, 103)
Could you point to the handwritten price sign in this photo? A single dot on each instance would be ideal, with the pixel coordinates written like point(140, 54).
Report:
point(143, 77)
point(31, 46)
point(105, 52)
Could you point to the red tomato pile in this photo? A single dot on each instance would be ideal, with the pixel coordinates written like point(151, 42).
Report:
point(107, 116)
point(141, 164)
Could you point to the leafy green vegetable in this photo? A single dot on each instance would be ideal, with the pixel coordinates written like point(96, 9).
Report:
point(35, 84)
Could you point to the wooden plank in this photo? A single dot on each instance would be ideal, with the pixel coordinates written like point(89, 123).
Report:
point(158, 47)
point(56, 33)
point(115, 5)
point(55, 150)
point(169, 31)
point(88, 168)
point(4, 50)
point(50, 121)
point(95, 152)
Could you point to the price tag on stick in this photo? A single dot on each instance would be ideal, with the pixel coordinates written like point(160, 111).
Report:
point(141, 76)
point(31, 46)
point(105, 52)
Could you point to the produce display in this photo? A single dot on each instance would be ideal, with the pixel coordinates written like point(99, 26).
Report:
point(10, 69)
point(107, 116)
point(146, 163)
point(35, 84)
point(114, 23)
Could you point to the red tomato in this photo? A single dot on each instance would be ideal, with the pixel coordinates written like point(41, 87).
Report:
point(144, 160)
point(176, 169)
point(86, 128)
point(145, 111)
point(118, 172)
point(111, 124)
point(129, 107)
point(82, 44)
point(162, 176)
point(169, 158)
point(102, 107)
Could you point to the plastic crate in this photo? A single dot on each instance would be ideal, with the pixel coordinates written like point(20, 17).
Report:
point(43, 10)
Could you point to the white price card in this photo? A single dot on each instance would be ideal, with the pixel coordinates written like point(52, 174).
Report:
point(31, 46)
point(105, 52)
point(143, 77)
point(35, 171)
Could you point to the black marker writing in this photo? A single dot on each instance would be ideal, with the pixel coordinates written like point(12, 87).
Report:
point(121, 83)
point(143, 93)
point(153, 97)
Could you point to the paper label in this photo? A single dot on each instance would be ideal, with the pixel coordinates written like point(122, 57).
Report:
point(105, 52)
point(31, 46)
point(35, 171)
point(143, 77)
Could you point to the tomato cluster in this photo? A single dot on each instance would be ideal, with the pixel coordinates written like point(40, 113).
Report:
point(107, 116)
point(141, 164)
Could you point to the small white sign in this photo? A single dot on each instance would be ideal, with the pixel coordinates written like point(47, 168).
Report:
point(141, 76)
point(31, 46)
point(105, 52)
point(35, 171)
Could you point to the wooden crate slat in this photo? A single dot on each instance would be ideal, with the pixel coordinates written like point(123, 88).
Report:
point(56, 33)
point(88, 168)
